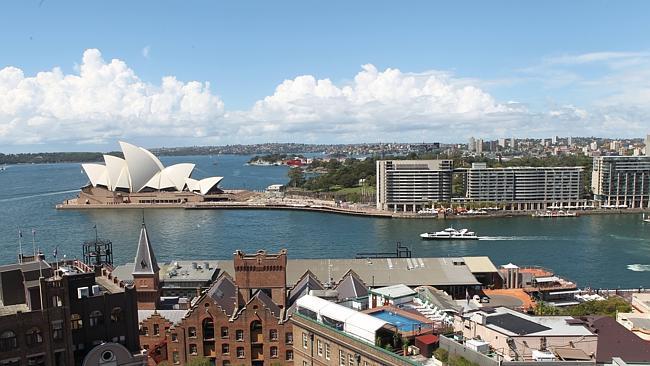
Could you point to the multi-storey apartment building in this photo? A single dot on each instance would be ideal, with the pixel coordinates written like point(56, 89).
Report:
point(410, 185)
point(621, 181)
point(56, 317)
point(526, 188)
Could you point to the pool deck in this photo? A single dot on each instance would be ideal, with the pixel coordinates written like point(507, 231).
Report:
point(410, 314)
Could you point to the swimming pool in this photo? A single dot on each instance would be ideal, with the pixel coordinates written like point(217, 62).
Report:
point(402, 323)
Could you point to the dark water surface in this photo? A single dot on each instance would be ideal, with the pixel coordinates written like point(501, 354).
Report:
point(596, 251)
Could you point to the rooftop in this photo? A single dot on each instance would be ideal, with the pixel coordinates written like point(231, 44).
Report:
point(181, 271)
point(480, 264)
point(514, 323)
point(386, 271)
point(174, 316)
point(394, 291)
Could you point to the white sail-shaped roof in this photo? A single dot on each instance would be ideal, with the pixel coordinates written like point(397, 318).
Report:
point(142, 165)
point(97, 174)
point(118, 175)
point(202, 186)
point(177, 174)
point(140, 168)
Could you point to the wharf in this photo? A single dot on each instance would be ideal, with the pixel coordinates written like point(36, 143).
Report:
point(249, 200)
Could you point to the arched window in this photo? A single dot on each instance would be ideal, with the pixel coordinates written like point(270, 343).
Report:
point(8, 341)
point(96, 318)
point(256, 332)
point(76, 322)
point(33, 336)
point(116, 315)
point(208, 328)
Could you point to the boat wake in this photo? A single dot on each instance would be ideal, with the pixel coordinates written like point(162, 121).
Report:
point(499, 238)
point(639, 267)
point(37, 195)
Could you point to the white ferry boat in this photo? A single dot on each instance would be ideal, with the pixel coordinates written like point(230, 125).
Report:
point(558, 213)
point(450, 234)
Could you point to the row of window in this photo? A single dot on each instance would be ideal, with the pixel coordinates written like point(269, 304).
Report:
point(9, 340)
point(239, 334)
point(323, 349)
point(95, 318)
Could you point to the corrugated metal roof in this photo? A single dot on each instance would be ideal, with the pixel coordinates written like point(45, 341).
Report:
point(480, 264)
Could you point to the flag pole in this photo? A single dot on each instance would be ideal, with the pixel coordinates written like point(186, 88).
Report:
point(20, 245)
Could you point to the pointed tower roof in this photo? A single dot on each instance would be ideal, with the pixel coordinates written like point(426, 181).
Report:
point(145, 260)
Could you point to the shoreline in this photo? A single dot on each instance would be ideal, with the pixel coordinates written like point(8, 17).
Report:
point(327, 209)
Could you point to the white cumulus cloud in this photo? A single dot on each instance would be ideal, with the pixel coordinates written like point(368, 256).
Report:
point(378, 101)
point(102, 101)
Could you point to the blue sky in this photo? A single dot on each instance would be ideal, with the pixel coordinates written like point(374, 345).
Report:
point(557, 60)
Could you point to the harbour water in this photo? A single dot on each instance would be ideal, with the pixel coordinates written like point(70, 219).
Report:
point(600, 251)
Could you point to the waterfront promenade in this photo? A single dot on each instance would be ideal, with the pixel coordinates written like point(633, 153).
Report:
point(260, 201)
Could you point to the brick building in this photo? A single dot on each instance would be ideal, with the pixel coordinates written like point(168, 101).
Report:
point(240, 320)
point(56, 317)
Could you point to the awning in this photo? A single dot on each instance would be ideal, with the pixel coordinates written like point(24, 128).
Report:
point(547, 279)
point(568, 354)
point(565, 292)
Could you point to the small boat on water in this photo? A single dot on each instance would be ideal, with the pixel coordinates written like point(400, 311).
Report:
point(558, 213)
point(450, 234)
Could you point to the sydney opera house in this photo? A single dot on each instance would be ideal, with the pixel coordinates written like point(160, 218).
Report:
point(141, 178)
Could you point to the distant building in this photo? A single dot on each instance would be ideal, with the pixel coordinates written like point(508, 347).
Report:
point(647, 145)
point(471, 144)
point(621, 181)
point(410, 185)
point(526, 188)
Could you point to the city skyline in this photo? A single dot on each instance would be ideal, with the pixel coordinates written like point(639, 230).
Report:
point(172, 75)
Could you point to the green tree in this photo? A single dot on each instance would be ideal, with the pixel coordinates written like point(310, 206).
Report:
point(296, 177)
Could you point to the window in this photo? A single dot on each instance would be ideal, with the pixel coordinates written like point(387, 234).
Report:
point(36, 361)
point(305, 363)
point(144, 331)
point(304, 340)
point(191, 332)
point(328, 352)
point(56, 301)
point(273, 334)
point(240, 352)
point(289, 355)
point(175, 358)
point(350, 360)
point(33, 336)
point(96, 318)
point(341, 358)
point(225, 349)
point(57, 329)
point(208, 328)
point(116, 315)
point(226, 363)
point(8, 341)
point(224, 332)
point(289, 338)
point(174, 337)
point(239, 335)
point(193, 349)
point(76, 322)
point(274, 352)
point(156, 329)
point(319, 344)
